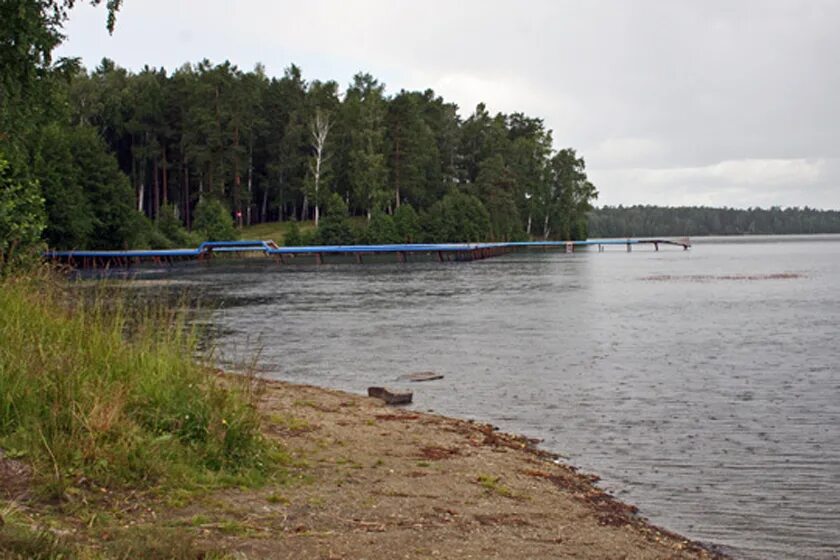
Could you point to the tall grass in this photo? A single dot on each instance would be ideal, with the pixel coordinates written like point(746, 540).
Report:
point(94, 391)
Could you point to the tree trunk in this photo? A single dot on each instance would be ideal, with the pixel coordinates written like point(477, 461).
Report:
point(250, 178)
point(237, 180)
point(264, 209)
point(546, 230)
point(156, 187)
point(187, 208)
point(165, 176)
point(397, 155)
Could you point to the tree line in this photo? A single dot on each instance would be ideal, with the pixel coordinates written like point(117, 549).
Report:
point(654, 221)
point(111, 158)
point(275, 149)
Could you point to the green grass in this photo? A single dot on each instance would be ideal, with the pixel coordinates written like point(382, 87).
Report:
point(492, 484)
point(274, 230)
point(96, 395)
point(277, 230)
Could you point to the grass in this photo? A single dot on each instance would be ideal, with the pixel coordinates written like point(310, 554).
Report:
point(277, 230)
point(492, 484)
point(274, 230)
point(95, 395)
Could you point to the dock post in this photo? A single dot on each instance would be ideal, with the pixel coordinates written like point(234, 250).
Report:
point(401, 256)
point(319, 258)
point(440, 256)
point(358, 258)
point(656, 245)
point(629, 247)
point(600, 248)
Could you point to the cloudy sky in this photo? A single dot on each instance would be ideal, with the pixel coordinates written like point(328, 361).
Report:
point(724, 103)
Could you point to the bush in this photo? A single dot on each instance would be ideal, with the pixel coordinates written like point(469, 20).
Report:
point(169, 224)
point(457, 218)
point(293, 237)
point(408, 224)
point(22, 219)
point(334, 228)
point(381, 229)
point(213, 221)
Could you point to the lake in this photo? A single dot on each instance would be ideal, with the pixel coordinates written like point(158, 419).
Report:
point(702, 385)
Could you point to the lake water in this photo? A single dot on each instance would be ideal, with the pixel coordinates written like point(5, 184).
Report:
point(702, 385)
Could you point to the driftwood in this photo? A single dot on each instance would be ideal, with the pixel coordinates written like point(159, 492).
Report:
point(421, 376)
point(390, 396)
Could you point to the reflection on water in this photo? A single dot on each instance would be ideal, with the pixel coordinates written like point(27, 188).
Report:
point(713, 404)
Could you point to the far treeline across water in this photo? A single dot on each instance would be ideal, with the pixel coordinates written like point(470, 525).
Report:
point(160, 159)
point(659, 221)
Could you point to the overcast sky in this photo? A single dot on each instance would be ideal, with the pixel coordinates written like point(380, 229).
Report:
point(670, 102)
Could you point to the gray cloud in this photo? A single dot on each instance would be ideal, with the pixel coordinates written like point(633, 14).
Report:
point(670, 102)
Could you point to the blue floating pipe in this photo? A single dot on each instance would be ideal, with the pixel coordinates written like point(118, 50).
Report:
point(270, 248)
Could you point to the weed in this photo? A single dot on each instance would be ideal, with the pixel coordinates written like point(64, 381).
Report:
point(275, 498)
point(94, 390)
point(19, 542)
point(493, 484)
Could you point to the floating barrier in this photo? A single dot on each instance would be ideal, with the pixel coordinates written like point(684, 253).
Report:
point(441, 251)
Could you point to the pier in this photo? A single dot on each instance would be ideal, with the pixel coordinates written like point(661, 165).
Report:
point(442, 252)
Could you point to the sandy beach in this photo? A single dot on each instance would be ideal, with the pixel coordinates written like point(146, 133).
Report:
point(370, 481)
point(395, 483)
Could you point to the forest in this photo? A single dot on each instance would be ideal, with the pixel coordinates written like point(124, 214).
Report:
point(110, 158)
point(659, 221)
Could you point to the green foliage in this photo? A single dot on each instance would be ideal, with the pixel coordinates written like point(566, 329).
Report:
point(382, 229)
point(293, 237)
point(458, 217)
point(213, 222)
point(496, 185)
point(89, 201)
point(335, 228)
point(22, 219)
point(658, 221)
point(110, 144)
point(407, 223)
point(20, 542)
point(169, 224)
point(116, 408)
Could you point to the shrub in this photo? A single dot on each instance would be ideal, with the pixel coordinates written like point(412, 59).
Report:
point(169, 224)
point(457, 218)
point(22, 219)
point(334, 228)
point(382, 229)
point(407, 223)
point(212, 221)
point(293, 237)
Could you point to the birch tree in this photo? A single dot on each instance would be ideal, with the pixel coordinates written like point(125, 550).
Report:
point(319, 160)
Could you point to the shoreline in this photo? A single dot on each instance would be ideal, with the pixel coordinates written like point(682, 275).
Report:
point(499, 487)
point(360, 479)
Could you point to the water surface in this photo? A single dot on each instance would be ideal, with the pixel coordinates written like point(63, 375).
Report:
point(702, 385)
